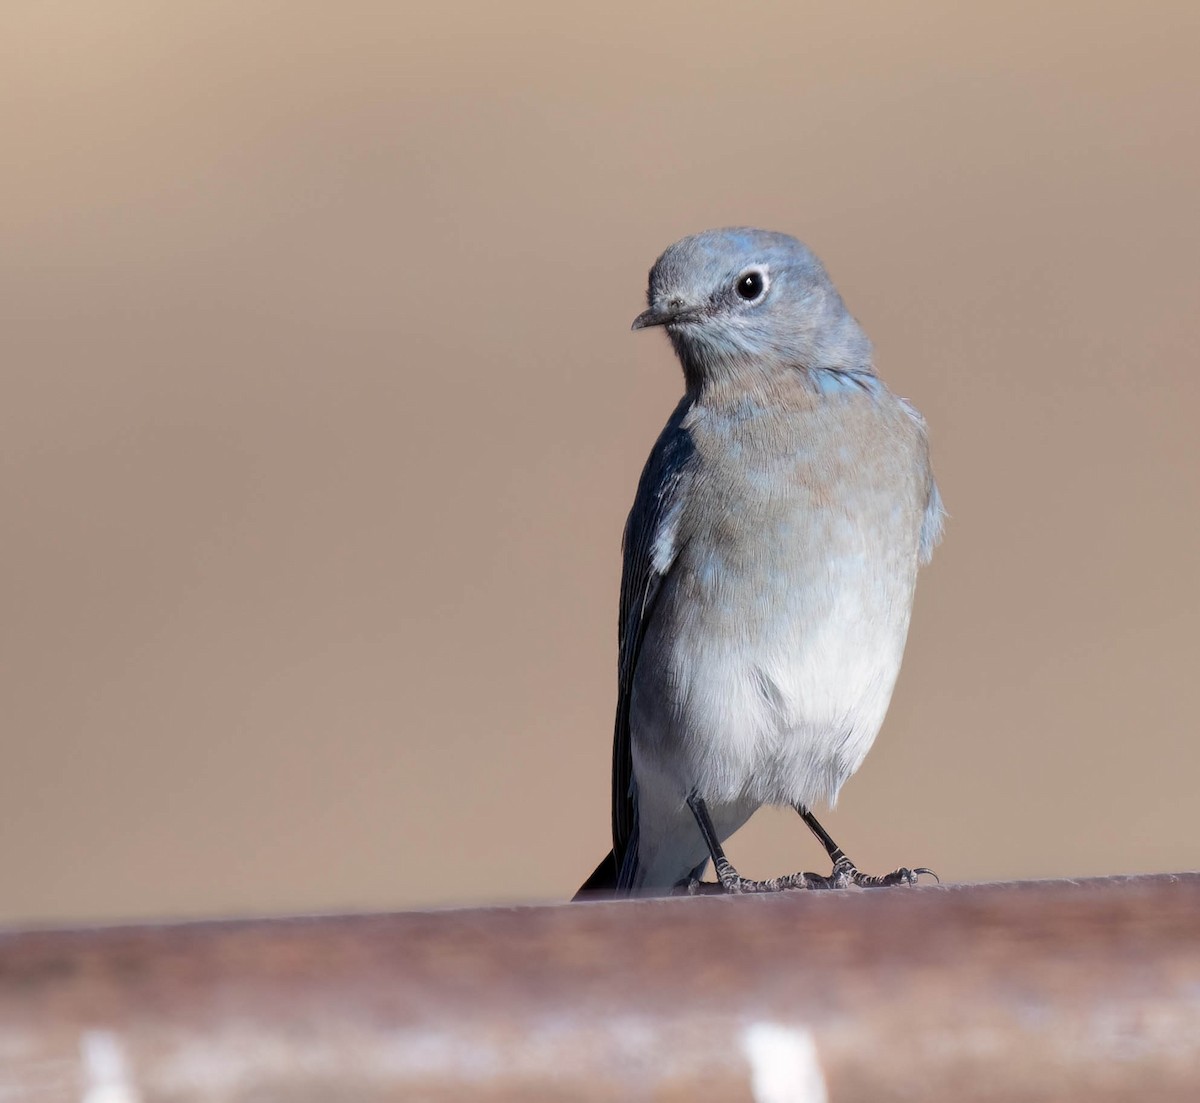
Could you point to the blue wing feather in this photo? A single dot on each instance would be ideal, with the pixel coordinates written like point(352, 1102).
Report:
point(649, 548)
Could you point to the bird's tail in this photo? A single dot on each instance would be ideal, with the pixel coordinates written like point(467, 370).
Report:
point(603, 882)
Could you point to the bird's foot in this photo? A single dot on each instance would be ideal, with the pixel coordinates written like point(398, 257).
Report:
point(734, 883)
point(693, 886)
point(846, 873)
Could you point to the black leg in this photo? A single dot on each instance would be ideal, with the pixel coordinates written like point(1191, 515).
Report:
point(845, 872)
point(729, 878)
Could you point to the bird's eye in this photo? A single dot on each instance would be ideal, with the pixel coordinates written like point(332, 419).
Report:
point(751, 285)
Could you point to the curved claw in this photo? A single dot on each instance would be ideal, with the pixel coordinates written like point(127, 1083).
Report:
point(922, 869)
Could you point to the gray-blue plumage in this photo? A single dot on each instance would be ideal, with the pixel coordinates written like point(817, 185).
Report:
point(770, 556)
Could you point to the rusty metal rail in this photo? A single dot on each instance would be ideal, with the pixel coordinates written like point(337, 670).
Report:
point(1061, 991)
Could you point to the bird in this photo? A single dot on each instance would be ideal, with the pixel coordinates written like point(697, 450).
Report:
point(770, 561)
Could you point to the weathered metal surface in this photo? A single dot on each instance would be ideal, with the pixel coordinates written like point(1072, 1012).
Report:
point(1033, 991)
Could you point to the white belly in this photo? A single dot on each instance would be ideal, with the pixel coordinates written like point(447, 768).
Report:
point(773, 692)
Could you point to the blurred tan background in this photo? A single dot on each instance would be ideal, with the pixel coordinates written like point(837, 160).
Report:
point(321, 416)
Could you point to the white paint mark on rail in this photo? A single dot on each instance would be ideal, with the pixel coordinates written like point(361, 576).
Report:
point(783, 1064)
point(106, 1077)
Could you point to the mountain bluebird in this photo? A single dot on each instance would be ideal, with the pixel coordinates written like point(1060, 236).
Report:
point(770, 560)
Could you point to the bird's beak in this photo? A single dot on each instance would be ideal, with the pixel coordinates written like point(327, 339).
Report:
point(651, 317)
point(664, 317)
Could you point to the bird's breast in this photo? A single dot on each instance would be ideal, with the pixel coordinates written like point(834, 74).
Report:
point(782, 498)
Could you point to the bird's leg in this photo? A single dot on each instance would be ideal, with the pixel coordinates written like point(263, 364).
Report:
point(845, 872)
point(729, 878)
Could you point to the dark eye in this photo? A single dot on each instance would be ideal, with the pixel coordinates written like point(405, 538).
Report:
point(751, 285)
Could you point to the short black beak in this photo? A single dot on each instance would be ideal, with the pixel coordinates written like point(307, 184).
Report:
point(651, 317)
point(675, 311)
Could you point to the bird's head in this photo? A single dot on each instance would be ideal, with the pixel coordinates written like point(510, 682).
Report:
point(741, 300)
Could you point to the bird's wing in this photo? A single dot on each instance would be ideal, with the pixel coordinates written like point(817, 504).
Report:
point(650, 545)
point(934, 518)
point(932, 523)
